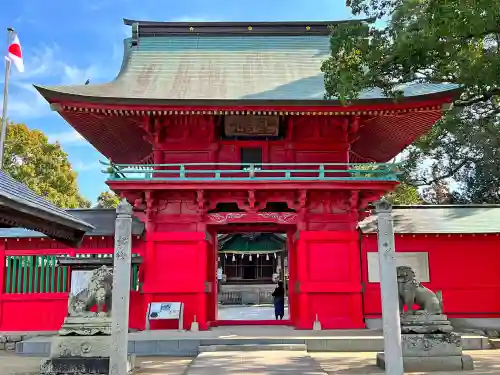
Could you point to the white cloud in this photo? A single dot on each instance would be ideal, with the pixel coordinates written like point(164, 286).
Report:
point(80, 166)
point(25, 102)
point(67, 138)
point(44, 65)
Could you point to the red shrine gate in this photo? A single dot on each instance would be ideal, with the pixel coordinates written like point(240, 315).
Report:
point(320, 220)
point(207, 138)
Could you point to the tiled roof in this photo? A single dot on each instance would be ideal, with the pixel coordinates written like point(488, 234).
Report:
point(407, 219)
point(21, 208)
point(103, 221)
point(170, 70)
point(441, 219)
point(14, 191)
point(227, 67)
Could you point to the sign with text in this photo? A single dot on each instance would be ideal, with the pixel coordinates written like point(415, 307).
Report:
point(251, 126)
point(165, 310)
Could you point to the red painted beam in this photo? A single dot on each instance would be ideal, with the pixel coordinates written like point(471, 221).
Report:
point(246, 185)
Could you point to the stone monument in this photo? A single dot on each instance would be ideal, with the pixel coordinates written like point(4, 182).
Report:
point(428, 340)
point(83, 345)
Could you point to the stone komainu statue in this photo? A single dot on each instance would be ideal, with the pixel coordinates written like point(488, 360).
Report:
point(98, 293)
point(411, 292)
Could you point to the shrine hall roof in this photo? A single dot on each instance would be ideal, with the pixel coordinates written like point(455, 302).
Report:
point(206, 63)
point(102, 220)
point(428, 219)
point(446, 219)
point(21, 208)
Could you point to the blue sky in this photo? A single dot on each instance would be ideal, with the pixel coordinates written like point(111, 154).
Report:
point(68, 42)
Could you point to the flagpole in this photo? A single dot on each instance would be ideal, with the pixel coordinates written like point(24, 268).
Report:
point(3, 133)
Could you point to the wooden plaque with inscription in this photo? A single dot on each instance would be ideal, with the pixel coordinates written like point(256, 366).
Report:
point(251, 126)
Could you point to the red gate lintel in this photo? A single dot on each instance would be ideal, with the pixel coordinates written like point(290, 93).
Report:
point(258, 217)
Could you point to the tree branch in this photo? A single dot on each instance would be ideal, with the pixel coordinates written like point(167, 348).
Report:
point(444, 176)
point(482, 98)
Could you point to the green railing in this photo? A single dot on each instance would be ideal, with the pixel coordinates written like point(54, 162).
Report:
point(35, 274)
point(252, 172)
point(42, 274)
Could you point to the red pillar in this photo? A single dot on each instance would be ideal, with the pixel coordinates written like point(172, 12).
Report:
point(328, 278)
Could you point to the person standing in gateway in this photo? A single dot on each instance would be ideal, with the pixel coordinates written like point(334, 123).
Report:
point(279, 301)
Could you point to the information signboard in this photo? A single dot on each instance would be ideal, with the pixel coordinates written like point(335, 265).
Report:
point(165, 311)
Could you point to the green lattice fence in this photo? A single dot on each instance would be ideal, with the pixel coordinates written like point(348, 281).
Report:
point(35, 274)
point(41, 274)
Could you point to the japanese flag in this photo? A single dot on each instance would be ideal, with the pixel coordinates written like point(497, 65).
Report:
point(14, 53)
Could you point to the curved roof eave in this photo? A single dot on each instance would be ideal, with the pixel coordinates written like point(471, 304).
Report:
point(21, 207)
point(56, 95)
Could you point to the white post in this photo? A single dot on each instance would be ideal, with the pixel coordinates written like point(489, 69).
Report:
point(3, 131)
point(121, 289)
point(389, 290)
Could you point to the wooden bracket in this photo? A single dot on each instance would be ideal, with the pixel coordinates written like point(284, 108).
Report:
point(151, 209)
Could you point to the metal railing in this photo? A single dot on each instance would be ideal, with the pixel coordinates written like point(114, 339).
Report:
point(252, 172)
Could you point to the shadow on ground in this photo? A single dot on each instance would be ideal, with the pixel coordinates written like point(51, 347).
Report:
point(487, 362)
point(262, 362)
point(12, 364)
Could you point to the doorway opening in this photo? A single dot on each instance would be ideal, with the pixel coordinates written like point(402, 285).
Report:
point(249, 267)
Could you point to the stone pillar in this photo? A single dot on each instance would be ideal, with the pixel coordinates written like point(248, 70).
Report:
point(121, 289)
point(389, 290)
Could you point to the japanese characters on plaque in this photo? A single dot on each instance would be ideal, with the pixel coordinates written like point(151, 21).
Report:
point(251, 126)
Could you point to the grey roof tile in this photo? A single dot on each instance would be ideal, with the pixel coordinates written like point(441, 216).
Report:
point(14, 192)
point(103, 221)
point(192, 67)
point(473, 219)
point(468, 219)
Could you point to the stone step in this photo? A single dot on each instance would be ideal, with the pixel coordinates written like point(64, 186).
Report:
point(252, 347)
point(170, 346)
point(495, 343)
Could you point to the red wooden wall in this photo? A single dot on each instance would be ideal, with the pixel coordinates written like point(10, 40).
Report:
point(45, 311)
point(196, 139)
point(177, 267)
point(327, 266)
point(465, 267)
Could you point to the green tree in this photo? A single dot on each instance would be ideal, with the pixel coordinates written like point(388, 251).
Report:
point(431, 41)
point(405, 194)
point(107, 199)
point(41, 166)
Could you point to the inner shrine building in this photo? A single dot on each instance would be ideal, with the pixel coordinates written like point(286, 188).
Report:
point(217, 128)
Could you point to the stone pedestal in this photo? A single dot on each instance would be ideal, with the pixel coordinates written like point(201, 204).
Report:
point(429, 364)
point(86, 326)
point(429, 345)
point(84, 346)
point(424, 323)
point(80, 355)
point(80, 365)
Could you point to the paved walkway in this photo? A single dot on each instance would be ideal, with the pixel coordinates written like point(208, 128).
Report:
point(255, 363)
point(486, 362)
point(254, 312)
point(261, 363)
